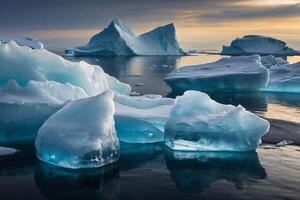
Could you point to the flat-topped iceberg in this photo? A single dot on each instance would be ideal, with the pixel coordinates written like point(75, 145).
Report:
point(197, 123)
point(241, 73)
point(28, 42)
point(118, 39)
point(141, 119)
point(80, 135)
point(257, 44)
point(284, 78)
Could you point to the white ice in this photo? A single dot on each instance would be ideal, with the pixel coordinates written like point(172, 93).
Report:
point(80, 135)
point(28, 42)
point(197, 123)
point(118, 39)
point(241, 73)
point(257, 44)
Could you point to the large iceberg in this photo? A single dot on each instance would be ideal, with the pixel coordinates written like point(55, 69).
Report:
point(28, 42)
point(118, 39)
point(34, 84)
point(80, 135)
point(141, 119)
point(242, 73)
point(197, 123)
point(24, 64)
point(257, 44)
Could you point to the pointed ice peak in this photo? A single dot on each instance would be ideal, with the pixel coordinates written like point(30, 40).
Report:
point(120, 26)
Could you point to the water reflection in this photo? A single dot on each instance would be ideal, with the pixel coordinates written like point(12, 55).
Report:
point(60, 183)
point(134, 155)
point(193, 172)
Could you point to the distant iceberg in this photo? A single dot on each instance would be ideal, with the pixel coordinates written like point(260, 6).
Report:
point(241, 73)
point(257, 44)
point(118, 39)
point(28, 42)
point(80, 135)
point(198, 123)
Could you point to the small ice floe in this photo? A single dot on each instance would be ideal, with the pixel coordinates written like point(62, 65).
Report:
point(284, 143)
point(133, 93)
point(97, 60)
point(139, 84)
point(5, 151)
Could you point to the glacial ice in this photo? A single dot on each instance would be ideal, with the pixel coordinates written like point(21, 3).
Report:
point(118, 39)
point(257, 44)
point(241, 73)
point(28, 42)
point(80, 135)
point(141, 119)
point(24, 64)
point(284, 78)
point(197, 123)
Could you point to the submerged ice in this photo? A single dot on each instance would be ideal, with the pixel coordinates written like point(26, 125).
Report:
point(118, 39)
point(80, 135)
point(242, 73)
point(197, 123)
point(257, 44)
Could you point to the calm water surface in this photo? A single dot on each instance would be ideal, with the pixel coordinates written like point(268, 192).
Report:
point(153, 171)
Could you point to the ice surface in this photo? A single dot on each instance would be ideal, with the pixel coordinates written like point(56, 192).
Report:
point(28, 42)
point(24, 64)
point(5, 151)
point(257, 44)
point(80, 135)
point(272, 61)
point(284, 78)
point(242, 73)
point(118, 39)
point(141, 119)
point(197, 123)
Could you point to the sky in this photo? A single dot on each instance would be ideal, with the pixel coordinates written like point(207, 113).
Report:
point(200, 24)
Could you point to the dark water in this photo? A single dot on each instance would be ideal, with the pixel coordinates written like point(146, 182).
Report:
point(152, 171)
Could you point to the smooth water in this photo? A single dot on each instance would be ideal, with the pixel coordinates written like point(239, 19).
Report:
point(152, 171)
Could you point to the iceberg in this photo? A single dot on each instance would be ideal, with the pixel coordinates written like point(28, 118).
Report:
point(28, 42)
point(118, 39)
point(6, 151)
point(197, 123)
point(241, 73)
point(80, 135)
point(272, 61)
point(24, 64)
point(257, 44)
point(141, 119)
point(284, 78)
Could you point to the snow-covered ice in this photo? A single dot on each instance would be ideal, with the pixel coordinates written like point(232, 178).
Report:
point(197, 123)
point(28, 42)
point(257, 44)
point(284, 79)
point(141, 119)
point(118, 39)
point(80, 135)
point(241, 73)
point(24, 64)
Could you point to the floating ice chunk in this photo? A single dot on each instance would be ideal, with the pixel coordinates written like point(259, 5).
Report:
point(5, 151)
point(28, 42)
point(141, 119)
point(80, 135)
point(284, 143)
point(118, 39)
point(24, 64)
point(257, 44)
point(242, 73)
point(197, 123)
point(284, 78)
